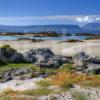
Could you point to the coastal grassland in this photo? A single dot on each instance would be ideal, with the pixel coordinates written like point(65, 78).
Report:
point(79, 96)
point(63, 77)
point(26, 95)
point(38, 92)
point(66, 78)
point(7, 66)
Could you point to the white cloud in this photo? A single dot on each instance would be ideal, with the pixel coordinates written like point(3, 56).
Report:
point(84, 19)
point(87, 19)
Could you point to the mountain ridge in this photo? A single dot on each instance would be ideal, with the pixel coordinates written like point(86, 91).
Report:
point(72, 28)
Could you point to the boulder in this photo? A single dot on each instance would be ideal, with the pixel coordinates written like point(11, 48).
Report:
point(40, 54)
point(53, 62)
point(86, 64)
point(95, 60)
point(93, 68)
point(80, 61)
point(45, 58)
point(81, 56)
point(7, 54)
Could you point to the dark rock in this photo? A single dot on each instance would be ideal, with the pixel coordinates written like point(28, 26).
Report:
point(72, 41)
point(80, 61)
point(37, 40)
point(7, 54)
point(40, 54)
point(93, 68)
point(16, 73)
point(80, 66)
point(95, 60)
point(81, 56)
point(30, 56)
point(86, 64)
point(46, 34)
point(21, 39)
point(45, 58)
point(29, 39)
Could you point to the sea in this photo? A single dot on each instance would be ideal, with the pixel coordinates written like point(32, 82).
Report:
point(63, 38)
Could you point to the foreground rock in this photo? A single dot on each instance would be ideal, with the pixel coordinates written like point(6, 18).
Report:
point(45, 58)
point(7, 54)
point(16, 73)
point(86, 64)
point(22, 73)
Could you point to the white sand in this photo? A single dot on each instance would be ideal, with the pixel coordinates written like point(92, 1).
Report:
point(20, 85)
point(91, 47)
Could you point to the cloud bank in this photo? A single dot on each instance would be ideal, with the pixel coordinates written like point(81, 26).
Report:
point(88, 19)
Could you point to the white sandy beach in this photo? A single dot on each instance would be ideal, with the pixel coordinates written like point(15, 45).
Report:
point(91, 47)
point(20, 85)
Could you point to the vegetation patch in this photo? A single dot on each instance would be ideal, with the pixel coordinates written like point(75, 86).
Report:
point(79, 96)
point(67, 79)
point(44, 83)
point(37, 92)
point(8, 66)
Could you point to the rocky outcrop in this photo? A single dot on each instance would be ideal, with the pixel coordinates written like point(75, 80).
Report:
point(86, 64)
point(45, 58)
point(93, 68)
point(22, 73)
point(7, 54)
point(16, 73)
point(42, 57)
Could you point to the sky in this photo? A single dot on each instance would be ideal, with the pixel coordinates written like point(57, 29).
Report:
point(41, 12)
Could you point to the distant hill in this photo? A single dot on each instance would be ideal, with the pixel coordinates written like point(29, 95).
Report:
point(92, 26)
point(57, 28)
point(39, 28)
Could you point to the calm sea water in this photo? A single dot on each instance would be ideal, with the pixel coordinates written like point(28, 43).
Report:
point(44, 38)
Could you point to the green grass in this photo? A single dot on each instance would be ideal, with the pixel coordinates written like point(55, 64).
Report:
point(8, 66)
point(38, 92)
point(79, 96)
point(5, 97)
point(66, 67)
point(44, 83)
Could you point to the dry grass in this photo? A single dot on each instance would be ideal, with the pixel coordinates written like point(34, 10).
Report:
point(66, 79)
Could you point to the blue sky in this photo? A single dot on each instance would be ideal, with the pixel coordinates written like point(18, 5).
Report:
point(26, 12)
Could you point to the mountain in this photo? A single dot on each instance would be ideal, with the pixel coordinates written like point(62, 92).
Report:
point(92, 26)
point(88, 28)
point(39, 28)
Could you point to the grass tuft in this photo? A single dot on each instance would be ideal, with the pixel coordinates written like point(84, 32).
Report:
point(79, 96)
